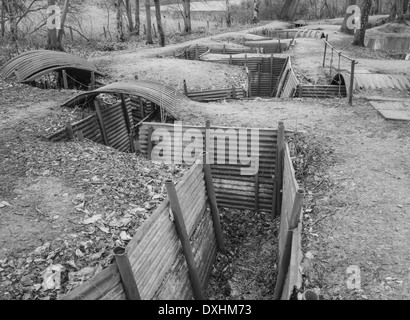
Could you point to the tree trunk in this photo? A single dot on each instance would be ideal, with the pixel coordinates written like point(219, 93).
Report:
point(288, 12)
point(406, 6)
point(53, 42)
point(129, 17)
point(159, 23)
point(148, 18)
point(120, 29)
point(137, 17)
point(3, 18)
point(400, 10)
point(228, 17)
point(255, 11)
point(345, 28)
point(360, 33)
point(61, 32)
point(187, 15)
point(12, 19)
point(393, 12)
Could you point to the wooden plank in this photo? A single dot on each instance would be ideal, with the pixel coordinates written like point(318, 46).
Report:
point(101, 122)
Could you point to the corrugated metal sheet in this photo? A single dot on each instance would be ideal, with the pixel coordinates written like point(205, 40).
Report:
point(291, 33)
point(213, 95)
point(269, 46)
point(233, 189)
point(172, 101)
point(321, 91)
point(155, 254)
point(371, 81)
point(31, 65)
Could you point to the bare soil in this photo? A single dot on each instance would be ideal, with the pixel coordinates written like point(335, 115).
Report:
point(357, 206)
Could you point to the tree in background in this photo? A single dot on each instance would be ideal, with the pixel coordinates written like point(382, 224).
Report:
point(56, 33)
point(364, 21)
point(11, 8)
point(159, 23)
point(129, 17)
point(398, 10)
point(120, 29)
point(255, 11)
point(137, 17)
point(228, 15)
point(288, 12)
point(3, 18)
point(148, 18)
point(187, 15)
point(345, 28)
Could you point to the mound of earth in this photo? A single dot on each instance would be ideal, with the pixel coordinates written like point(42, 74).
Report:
point(393, 29)
point(198, 75)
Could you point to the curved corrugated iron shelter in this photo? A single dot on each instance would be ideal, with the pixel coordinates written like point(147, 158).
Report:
point(31, 65)
point(171, 100)
point(371, 81)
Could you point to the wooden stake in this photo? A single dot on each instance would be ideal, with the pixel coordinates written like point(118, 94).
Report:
point(69, 131)
point(185, 88)
point(277, 188)
point(92, 80)
point(211, 192)
point(127, 121)
point(324, 56)
point(196, 53)
point(105, 32)
point(351, 82)
point(233, 92)
point(149, 147)
point(230, 59)
point(224, 49)
point(271, 73)
point(257, 191)
point(65, 82)
point(71, 34)
point(101, 122)
point(183, 237)
point(126, 274)
point(259, 79)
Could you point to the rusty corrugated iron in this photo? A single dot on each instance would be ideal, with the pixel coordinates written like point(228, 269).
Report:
point(31, 65)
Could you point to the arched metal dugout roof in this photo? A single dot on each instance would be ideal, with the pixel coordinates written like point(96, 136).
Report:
point(370, 81)
point(162, 95)
point(31, 65)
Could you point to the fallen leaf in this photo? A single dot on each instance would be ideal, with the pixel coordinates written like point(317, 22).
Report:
point(93, 219)
point(52, 277)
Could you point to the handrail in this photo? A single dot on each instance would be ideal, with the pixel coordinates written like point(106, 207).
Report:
point(339, 52)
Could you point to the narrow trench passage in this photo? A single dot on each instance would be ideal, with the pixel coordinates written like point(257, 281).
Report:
point(248, 271)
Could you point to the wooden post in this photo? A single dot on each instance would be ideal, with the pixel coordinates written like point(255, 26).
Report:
point(185, 88)
point(249, 84)
point(69, 131)
point(196, 53)
point(145, 29)
point(92, 80)
point(183, 237)
point(149, 146)
point(279, 48)
point(126, 274)
point(105, 32)
point(71, 34)
point(155, 30)
point(233, 92)
point(101, 123)
point(179, 26)
point(207, 23)
point(127, 121)
point(246, 60)
point(276, 199)
point(259, 79)
point(141, 107)
point(224, 49)
point(257, 191)
point(351, 82)
point(324, 56)
point(230, 59)
point(65, 82)
point(271, 73)
point(300, 90)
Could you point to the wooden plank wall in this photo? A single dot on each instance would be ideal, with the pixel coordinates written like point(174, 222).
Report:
point(219, 94)
point(321, 91)
point(233, 190)
point(154, 253)
point(289, 235)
